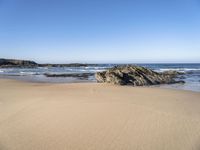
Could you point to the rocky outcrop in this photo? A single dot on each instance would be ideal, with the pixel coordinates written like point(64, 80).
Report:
point(135, 76)
point(73, 75)
point(17, 63)
point(7, 63)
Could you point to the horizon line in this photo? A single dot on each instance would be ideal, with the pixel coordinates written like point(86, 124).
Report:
point(98, 62)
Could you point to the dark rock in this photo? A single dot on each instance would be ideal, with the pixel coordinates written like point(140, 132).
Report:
point(6, 63)
point(180, 81)
point(134, 75)
point(74, 75)
point(182, 77)
point(16, 63)
point(173, 73)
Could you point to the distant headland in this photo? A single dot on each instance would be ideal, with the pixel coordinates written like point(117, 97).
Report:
point(7, 63)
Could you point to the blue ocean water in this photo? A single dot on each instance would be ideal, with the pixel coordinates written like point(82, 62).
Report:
point(191, 76)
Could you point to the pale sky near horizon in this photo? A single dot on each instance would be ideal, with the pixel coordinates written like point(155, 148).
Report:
point(100, 31)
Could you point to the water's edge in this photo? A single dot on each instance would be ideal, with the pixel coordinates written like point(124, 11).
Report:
point(86, 74)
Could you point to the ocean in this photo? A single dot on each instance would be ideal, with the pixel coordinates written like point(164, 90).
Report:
point(191, 76)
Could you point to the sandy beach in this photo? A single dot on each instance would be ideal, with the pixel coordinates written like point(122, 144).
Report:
point(91, 116)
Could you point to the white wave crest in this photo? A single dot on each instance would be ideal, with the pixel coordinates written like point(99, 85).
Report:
point(27, 73)
point(179, 69)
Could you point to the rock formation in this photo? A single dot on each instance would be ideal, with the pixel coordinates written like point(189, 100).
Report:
point(73, 75)
point(17, 63)
point(6, 63)
point(135, 76)
point(173, 73)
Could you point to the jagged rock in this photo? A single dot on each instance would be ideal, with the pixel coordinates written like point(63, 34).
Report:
point(173, 73)
point(134, 75)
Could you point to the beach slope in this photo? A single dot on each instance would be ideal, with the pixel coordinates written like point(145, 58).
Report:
point(91, 116)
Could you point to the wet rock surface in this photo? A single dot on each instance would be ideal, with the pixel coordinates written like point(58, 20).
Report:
point(73, 75)
point(136, 76)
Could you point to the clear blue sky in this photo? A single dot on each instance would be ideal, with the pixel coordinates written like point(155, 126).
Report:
point(100, 30)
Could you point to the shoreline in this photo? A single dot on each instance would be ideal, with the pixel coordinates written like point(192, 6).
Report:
point(191, 74)
point(162, 86)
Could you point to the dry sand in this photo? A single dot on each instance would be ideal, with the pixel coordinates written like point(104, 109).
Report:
point(92, 116)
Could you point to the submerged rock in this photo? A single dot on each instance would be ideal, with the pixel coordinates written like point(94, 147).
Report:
point(135, 76)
